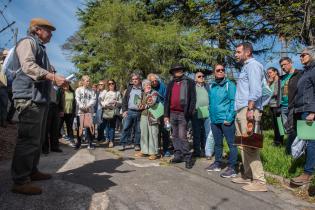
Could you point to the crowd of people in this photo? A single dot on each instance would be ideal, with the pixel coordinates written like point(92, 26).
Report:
point(153, 116)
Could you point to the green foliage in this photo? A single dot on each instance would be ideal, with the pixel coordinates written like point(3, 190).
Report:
point(118, 37)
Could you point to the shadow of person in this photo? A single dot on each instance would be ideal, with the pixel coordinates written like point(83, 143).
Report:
point(95, 175)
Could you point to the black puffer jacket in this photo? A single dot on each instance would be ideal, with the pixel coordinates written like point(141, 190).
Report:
point(305, 95)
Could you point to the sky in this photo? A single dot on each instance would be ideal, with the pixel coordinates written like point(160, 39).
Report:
point(61, 13)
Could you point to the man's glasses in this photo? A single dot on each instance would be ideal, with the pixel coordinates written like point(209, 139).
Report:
point(303, 55)
point(220, 70)
point(200, 76)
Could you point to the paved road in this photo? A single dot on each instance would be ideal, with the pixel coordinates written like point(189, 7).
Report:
point(108, 179)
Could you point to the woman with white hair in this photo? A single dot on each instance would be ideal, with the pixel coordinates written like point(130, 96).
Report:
point(304, 109)
point(148, 124)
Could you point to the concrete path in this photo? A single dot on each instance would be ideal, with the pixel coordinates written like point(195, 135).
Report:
point(108, 179)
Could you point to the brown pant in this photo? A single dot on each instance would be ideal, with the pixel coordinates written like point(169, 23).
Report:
point(250, 156)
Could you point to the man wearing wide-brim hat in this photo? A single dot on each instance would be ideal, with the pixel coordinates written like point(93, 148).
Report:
point(179, 107)
point(32, 88)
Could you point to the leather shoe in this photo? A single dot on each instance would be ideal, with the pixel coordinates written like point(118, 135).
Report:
point(37, 176)
point(189, 164)
point(176, 160)
point(27, 189)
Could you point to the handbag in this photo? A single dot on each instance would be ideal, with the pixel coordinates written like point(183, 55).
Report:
point(109, 113)
point(253, 140)
point(86, 121)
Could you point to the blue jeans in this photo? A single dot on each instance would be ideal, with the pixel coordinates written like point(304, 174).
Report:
point(228, 131)
point(310, 152)
point(132, 120)
point(199, 136)
point(110, 125)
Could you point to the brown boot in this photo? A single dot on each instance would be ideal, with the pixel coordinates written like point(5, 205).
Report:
point(37, 176)
point(255, 186)
point(241, 180)
point(302, 179)
point(139, 154)
point(27, 189)
point(153, 157)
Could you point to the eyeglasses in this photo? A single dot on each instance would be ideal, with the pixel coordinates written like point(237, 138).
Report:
point(200, 76)
point(111, 83)
point(218, 70)
point(303, 55)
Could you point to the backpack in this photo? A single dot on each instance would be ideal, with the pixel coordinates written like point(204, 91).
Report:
point(11, 64)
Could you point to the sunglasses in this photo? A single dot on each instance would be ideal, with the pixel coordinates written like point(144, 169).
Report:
point(111, 83)
point(200, 76)
point(218, 70)
point(303, 55)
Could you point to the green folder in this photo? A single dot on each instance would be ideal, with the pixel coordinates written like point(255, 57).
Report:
point(137, 100)
point(280, 126)
point(305, 130)
point(157, 110)
point(203, 112)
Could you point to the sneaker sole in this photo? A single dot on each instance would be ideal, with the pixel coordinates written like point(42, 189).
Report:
point(231, 176)
point(217, 170)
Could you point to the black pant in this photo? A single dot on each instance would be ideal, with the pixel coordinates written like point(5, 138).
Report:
point(68, 119)
point(278, 139)
point(31, 134)
point(164, 135)
point(12, 108)
point(52, 132)
point(179, 133)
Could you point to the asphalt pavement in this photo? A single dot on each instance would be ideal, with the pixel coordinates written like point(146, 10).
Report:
point(108, 179)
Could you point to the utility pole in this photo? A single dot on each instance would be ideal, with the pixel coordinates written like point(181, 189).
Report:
point(15, 35)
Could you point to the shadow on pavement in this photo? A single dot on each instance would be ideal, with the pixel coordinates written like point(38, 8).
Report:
point(95, 175)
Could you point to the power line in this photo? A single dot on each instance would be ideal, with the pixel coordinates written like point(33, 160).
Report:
point(6, 6)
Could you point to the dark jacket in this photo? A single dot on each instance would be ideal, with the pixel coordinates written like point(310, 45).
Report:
point(292, 85)
point(190, 106)
point(124, 105)
point(305, 95)
point(61, 98)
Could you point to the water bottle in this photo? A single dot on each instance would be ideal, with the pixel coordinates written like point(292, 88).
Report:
point(167, 126)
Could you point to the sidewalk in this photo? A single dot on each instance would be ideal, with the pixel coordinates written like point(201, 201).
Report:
point(107, 179)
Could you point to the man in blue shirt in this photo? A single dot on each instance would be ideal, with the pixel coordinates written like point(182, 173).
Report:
point(248, 106)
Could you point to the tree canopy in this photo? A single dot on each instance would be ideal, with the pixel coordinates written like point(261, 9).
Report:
point(118, 37)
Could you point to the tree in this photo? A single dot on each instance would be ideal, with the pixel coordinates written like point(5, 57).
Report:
point(118, 37)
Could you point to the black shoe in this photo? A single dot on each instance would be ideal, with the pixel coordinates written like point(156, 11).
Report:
point(176, 160)
point(137, 148)
point(56, 150)
point(45, 152)
point(77, 147)
point(189, 164)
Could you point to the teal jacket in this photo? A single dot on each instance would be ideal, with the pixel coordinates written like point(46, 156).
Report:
point(222, 98)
